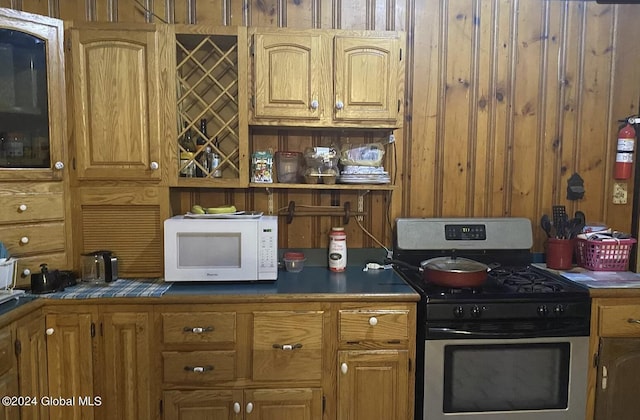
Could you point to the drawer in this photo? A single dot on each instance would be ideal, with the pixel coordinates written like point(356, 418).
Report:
point(199, 327)
point(287, 345)
point(199, 367)
point(34, 238)
point(28, 265)
point(21, 208)
point(374, 325)
point(6, 350)
point(620, 321)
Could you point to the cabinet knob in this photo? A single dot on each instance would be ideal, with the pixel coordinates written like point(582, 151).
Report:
point(373, 321)
point(24, 240)
point(22, 207)
point(236, 407)
point(344, 368)
point(249, 408)
point(314, 104)
point(339, 105)
point(26, 272)
point(154, 166)
point(59, 165)
point(49, 331)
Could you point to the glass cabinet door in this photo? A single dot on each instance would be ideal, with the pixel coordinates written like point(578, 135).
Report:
point(24, 119)
point(32, 97)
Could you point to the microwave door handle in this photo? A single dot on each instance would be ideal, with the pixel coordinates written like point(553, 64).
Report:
point(453, 332)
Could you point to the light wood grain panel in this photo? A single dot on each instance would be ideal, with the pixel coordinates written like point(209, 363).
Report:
point(210, 327)
point(373, 325)
point(619, 320)
point(263, 13)
point(198, 367)
point(287, 328)
point(7, 361)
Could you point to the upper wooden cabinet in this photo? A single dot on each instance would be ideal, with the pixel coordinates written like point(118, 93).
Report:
point(117, 91)
point(209, 105)
point(32, 97)
point(327, 78)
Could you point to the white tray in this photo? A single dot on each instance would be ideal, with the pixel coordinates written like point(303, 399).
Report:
point(235, 215)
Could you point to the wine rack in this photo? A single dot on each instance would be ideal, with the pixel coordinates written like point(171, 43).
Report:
point(210, 85)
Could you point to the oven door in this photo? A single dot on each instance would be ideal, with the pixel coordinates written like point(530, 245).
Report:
point(500, 379)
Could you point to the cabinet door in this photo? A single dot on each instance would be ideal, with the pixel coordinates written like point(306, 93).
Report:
point(32, 365)
point(367, 79)
point(127, 385)
point(373, 384)
point(618, 373)
point(291, 76)
point(70, 363)
point(116, 74)
point(32, 97)
point(271, 404)
point(203, 405)
point(8, 374)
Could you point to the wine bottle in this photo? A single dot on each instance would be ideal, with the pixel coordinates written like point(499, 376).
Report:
point(215, 161)
point(201, 154)
point(187, 153)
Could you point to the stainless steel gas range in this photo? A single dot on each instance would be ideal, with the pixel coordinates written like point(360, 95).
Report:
point(515, 348)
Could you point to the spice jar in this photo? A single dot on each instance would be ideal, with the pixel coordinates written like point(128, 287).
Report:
point(337, 249)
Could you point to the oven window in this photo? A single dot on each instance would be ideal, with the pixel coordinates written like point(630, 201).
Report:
point(506, 377)
point(209, 250)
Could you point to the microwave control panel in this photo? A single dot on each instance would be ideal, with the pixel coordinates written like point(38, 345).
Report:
point(268, 248)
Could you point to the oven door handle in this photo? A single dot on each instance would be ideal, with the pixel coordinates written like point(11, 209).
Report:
point(438, 332)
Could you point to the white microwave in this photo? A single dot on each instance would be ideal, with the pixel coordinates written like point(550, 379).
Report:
point(202, 249)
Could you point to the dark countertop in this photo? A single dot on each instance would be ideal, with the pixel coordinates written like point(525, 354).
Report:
point(311, 282)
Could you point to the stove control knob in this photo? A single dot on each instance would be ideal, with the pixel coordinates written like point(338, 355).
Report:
point(543, 310)
point(558, 310)
point(458, 312)
point(475, 311)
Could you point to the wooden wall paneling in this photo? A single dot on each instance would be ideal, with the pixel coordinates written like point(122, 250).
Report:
point(457, 149)
point(265, 13)
point(526, 134)
point(594, 159)
point(300, 14)
point(420, 175)
point(40, 7)
point(625, 94)
point(551, 96)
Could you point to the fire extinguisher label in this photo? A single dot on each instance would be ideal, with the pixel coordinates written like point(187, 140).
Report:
point(624, 157)
point(625, 145)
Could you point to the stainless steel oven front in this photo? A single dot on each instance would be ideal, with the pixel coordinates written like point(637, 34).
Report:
point(542, 378)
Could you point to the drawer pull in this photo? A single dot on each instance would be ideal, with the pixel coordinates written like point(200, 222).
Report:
point(22, 208)
point(198, 330)
point(287, 346)
point(373, 321)
point(24, 240)
point(633, 321)
point(198, 369)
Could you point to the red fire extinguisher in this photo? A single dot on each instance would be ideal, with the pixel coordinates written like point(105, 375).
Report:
point(624, 154)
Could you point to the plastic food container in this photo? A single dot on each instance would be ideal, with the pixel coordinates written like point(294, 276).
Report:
point(288, 166)
point(294, 261)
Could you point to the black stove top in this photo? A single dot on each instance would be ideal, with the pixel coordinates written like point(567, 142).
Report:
point(504, 283)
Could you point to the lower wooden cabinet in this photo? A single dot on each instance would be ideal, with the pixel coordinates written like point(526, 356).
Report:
point(31, 350)
point(101, 355)
point(256, 404)
point(70, 335)
point(375, 358)
point(372, 384)
point(8, 373)
point(221, 361)
point(615, 342)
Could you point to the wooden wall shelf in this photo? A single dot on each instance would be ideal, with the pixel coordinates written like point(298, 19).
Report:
point(354, 187)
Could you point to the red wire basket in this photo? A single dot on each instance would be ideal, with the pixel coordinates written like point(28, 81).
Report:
point(604, 255)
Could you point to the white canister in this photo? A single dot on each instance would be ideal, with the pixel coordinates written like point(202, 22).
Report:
point(337, 249)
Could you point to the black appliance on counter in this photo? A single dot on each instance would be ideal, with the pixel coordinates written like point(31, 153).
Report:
point(514, 348)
